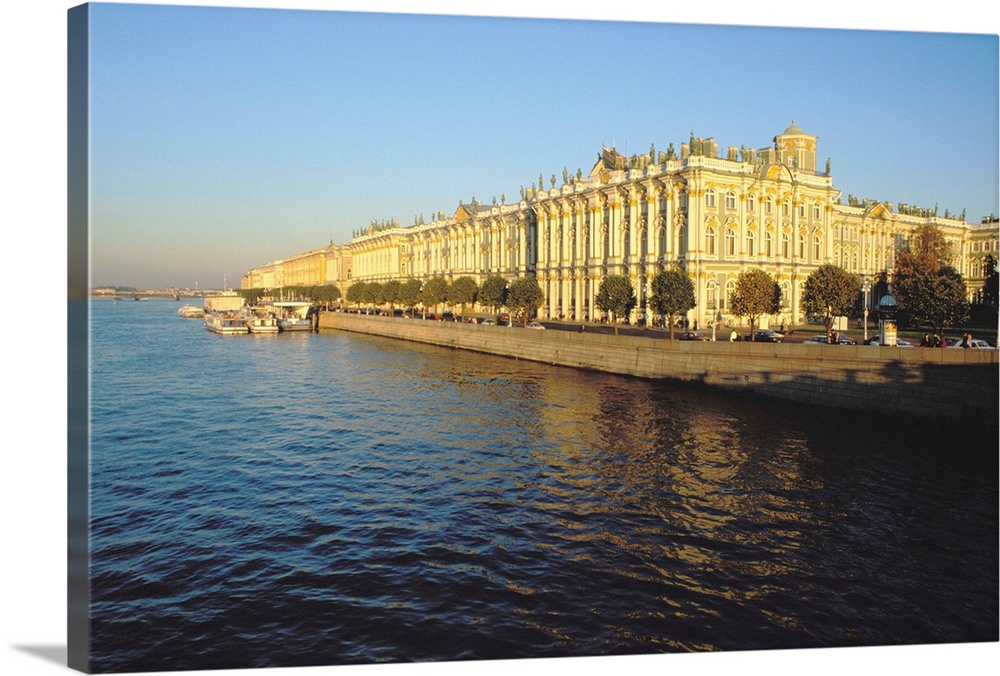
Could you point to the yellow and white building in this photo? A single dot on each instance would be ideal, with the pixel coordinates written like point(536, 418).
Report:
point(714, 213)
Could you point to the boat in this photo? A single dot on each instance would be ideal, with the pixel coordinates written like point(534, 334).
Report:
point(257, 324)
point(191, 311)
point(293, 315)
point(225, 324)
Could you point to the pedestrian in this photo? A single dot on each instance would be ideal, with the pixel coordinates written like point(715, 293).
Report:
point(733, 336)
point(926, 341)
point(936, 341)
point(583, 328)
point(965, 340)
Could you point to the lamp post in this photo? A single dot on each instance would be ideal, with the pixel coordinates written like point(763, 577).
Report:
point(865, 289)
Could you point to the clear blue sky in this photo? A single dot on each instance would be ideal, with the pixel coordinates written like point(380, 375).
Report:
point(225, 138)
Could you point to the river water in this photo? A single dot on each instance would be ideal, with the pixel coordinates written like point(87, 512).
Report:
point(307, 499)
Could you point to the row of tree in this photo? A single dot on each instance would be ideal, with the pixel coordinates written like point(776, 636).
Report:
point(929, 292)
point(521, 296)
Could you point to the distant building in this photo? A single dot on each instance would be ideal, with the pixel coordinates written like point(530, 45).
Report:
point(715, 215)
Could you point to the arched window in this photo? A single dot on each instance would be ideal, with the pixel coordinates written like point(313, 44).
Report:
point(768, 205)
point(731, 200)
point(786, 295)
point(751, 203)
point(730, 290)
point(786, 245)
point(802, 245)
point(768, 243)
point(710, 199)
point(817, 248)
point(710, 241)
point(730, 242)
point(751, 251)
point(710, 294)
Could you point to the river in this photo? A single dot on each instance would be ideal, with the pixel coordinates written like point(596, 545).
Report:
point(332, 498)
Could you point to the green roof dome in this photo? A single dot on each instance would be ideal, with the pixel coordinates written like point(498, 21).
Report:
point(794, 129)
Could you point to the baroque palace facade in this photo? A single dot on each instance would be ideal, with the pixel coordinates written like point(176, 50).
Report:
point(714, 214)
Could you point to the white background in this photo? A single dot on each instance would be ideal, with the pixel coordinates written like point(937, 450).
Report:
point(33, 251)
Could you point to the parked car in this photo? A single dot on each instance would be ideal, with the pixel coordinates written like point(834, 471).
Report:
point(974, 343)
point(488, 322)
point(838, 339)
point(767, 336)
point(535, 325)
point(693, 335)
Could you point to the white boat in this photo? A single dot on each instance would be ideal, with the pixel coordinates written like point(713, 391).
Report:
point(225, 324)
point(191, 311)
point(257, 324)
point(293, 315)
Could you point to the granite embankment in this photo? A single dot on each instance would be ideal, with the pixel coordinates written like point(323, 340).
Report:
point(915, 380)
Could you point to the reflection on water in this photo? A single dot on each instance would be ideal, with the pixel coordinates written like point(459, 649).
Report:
point(319, 499)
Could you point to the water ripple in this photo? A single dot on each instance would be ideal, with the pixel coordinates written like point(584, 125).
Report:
point(333, 499)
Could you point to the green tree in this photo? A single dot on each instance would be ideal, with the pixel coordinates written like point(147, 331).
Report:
point(929, 243)
point(327, 294)
point(373, 294)
point(754, 296)
point(390, 293)
point(493, 292)
point(409, 292)
point(830, 291)
point(934, 298)
point(524, 296)
point(615, 295)
point(356, 293)
point(990, 286)
point(462, 291)
point(672, 295)
point(433, 293)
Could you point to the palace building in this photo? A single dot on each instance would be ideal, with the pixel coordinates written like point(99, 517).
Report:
point(713, 213)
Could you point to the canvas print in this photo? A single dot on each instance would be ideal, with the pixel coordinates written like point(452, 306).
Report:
point(412, 338)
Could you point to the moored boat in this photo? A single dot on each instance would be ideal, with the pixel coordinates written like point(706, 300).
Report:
point(225, 324)
point(257, 324)
point(191, 311)
point(293, 315)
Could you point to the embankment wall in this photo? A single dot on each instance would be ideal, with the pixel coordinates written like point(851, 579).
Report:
point(921, 381)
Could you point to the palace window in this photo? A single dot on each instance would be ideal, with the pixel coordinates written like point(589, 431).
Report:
point(816, 212)
point(710, 199)
point(750, 243)
point(768, 243)
point(730, 290)
point(710, 294)
point(817, 248)
point(785, 295)
point(768, 205)
point(786, 245)
point(730, 242)
point(802, 246)
point(710, 241)
point(730, 200)
point(785, 209)
point(802, 211)
point(751, 203)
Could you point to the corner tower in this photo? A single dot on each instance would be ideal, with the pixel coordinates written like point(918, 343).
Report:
point(796, 148)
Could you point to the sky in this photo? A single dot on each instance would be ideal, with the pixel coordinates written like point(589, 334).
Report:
point(535, 111)
point(225, 138)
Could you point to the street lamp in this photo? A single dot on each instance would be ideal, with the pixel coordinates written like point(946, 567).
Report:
point(866, 288)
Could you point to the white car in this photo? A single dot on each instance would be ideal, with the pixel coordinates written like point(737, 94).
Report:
point(974, 343)
point(535, 325)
